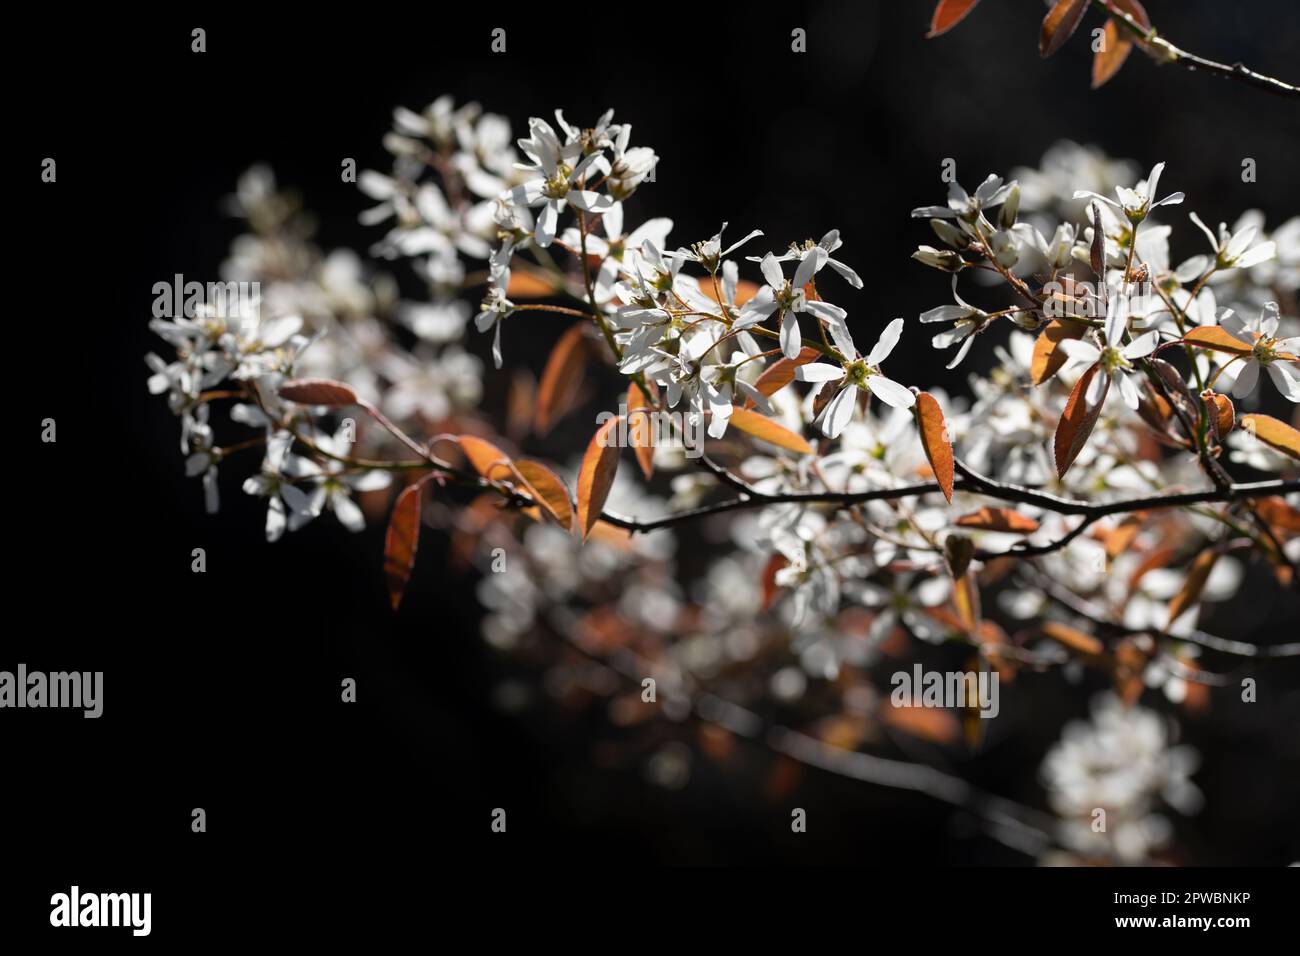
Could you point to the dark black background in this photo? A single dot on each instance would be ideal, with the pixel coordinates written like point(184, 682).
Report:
point(222, 689)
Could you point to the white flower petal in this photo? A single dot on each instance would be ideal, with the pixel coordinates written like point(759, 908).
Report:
point(1247, 379)
point(838, 412)
point(771, 270)
point(1128, 391)
point(1142, 345)
point(885, 344)
point(1237, 327)
point(1284, 382)
point(818, 372)
point(1080, 350)
point(791, 341)
point(890, 392)
point(961, 352)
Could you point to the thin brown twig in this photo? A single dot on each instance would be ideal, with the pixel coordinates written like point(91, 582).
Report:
point(1169, 53)
point(1085, 609)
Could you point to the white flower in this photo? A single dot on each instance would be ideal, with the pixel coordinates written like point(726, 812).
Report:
point(432, 386)
point(392, 196)
point(253, 344)
point(789, 298)
point(1246, 449)
point(1065, 167)
point(945, 260)
point(1202, 310)
point(515, 224)
point(560, 170)
point(968, 321)
point(1118, 231)
point(899, 604)
point(963, 206)
point(205, 463)
point(679, 373)
point(856, 373)
point(710, 252)
point(1123, 761)
point(811, 582)
point(1059, 250)
point(1116, 360)
point(1267, 351)
point(1232, 250)
point(274, 484)
point(334, 485)
point(615, 247)
point(439, 321)
point(1137, 203)
point(829, 243)
point(873, 451)
point(629, 167)
point(492, 312)
point(721, 386)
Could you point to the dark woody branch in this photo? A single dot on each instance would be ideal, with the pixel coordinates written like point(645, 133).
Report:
point(1096, 616)
point(969, 480)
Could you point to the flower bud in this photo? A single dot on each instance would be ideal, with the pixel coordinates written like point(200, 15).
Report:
point(945, 260)
point(949, 234)
point(1010, 207)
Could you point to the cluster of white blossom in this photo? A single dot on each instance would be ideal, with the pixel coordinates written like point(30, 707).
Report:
point(1106, 779)
point(315, 315)
point(803, 594)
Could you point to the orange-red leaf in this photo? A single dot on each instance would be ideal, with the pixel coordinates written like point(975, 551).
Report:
point(599, 466)
point(1118, 539)
point(760, 426)
point(966, 601)
point(521, 404)
point(1073, 639)
point(781, 372)
point(1118, 41)
point(1222, 415)
point(318, 391)
point(561, 379)
point(528, 285)
point(1274, 433)
point(770, 590)
point(1128, 667)
point(999, 519)
point(1059, 25)
point(1156, 559)
point(1134, 9)
point(1048, 358)
point(1077, 420)
point(548, 490)
point(935, 440)
point(400, 542)
point(928, 723)
point(640, 428)
point(745, 290)
point(1280, 515)
point(485, 458)
point(958, 550)
point(1115, 49)
point(1214, 337)
point(1193, 584)
point(948, 14)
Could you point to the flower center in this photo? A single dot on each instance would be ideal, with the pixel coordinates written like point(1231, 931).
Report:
point(557, 187)
point(1265, 350)
point(1112, 361)
point(790, 298)
point(859, 372)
